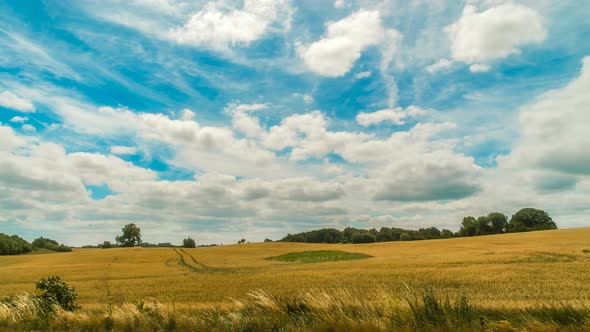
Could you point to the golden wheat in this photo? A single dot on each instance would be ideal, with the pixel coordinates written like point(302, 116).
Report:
point(500, 271)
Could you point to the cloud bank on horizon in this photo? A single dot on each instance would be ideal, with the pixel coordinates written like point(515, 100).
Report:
point(241, 118)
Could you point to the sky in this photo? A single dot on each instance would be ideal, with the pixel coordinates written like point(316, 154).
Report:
point(252, 119)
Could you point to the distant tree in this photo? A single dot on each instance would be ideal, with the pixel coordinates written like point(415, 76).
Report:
point(363, 237)
point(165, 245)
point(484, 226)
point(446, 234)
point(267, 240)
point(107, 245)
point(49, 244)
point(468, 227)
point(189, 243)
point(429, 233)
point(131, 236)
point(242, 241)
point(13, 245)
point(499, 222)
point(529, 219)
point(405, 237)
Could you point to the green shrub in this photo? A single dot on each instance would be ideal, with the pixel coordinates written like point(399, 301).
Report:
point(58, 292)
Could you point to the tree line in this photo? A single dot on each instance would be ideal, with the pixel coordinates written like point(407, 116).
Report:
point(15, 245)
point(525, 220)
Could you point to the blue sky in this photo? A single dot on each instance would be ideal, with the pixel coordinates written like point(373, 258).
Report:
point(228, 119)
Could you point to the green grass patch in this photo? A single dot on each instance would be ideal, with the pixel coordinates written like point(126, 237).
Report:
point(319, 256)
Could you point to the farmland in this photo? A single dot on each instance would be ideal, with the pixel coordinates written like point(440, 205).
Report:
point(499, 272)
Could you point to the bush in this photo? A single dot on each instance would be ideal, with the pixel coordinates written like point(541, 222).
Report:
point(13, 245)
point(189, 243)
point(58, 292)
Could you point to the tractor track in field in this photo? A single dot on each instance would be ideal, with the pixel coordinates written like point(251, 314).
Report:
point(187, 260)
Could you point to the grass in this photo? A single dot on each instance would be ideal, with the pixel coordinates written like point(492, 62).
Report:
point(319, 256)
point(523, 279)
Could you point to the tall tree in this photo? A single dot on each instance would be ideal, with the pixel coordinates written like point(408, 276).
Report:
point(189, 243)
point(529, 219)
point(468, 227)
point(131, 236)
point(499, 222)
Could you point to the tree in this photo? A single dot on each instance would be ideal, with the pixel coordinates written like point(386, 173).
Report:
point(363, 237)
point(405, 237)
point(446, 234)
point(131, 236)
point(13, 245)
point(107, 245)
point(484, 226)
point(529, 219)
point(499, 222)
point(189, 243)
point(242, 241)
point(267, 240)
point(50, 244)
point(468, 227)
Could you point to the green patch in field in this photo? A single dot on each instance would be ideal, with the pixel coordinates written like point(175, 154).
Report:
point(319, 256)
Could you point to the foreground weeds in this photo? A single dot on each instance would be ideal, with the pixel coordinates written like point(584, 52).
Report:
point(316, 310)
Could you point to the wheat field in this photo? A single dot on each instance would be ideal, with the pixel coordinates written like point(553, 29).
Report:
point(500, 272)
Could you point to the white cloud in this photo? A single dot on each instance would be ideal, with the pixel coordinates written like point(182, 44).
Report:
point(363, 75)
point(439, 65)
point(19, 119)
point(123, 150)
point(12, 101)
point(187, 115)
point(339, 3)
point(440, 175)
point(479, 68)
point(479, 37)
point(554, 130)
point(344, 41)
point(395, 116)
point(28, 128)
point(218, 26)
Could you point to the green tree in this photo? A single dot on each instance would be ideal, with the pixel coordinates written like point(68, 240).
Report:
point(405, 237)
point(131, 236)
point(499, 222)
point(468, 227)
point(363, 237)
point(446, 234)
point(267, 240)
point(529, 219)
point(189, 243)
point(484, 226)
point(50, 244)
point(106, 245)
